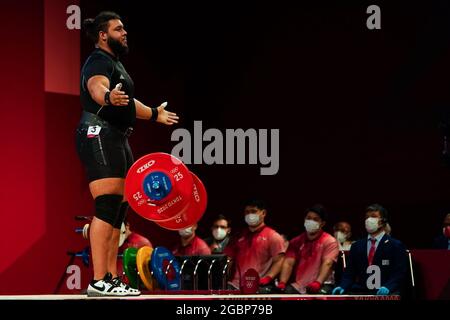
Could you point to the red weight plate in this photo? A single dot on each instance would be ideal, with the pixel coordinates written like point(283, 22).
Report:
point(174, 183)
point(195, 210)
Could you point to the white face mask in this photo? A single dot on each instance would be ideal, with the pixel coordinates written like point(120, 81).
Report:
point(185, 232)
point(340, 236)
point(372, 224)
point(311, 226)
point(219, 233)
point(252, 219)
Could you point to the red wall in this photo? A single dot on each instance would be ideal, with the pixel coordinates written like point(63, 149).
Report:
point(62, 47)
point(432, 273)
point(43, 186)
point(23, 136)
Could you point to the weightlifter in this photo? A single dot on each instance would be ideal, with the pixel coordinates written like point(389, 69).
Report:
point(109, 113)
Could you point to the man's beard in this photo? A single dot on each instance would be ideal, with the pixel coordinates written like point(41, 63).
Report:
point(117, 47)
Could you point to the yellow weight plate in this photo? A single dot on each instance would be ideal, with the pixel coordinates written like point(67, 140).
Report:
point(143, 257)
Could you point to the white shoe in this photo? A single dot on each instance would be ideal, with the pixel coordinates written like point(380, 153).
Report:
point(131, 291)
point(103, 288)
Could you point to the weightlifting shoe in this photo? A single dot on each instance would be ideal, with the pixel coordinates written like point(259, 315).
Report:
point(105, 288)
point(119, 283)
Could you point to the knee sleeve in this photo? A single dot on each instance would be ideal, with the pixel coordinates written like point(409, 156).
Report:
point(107, 207)
point(121, 216)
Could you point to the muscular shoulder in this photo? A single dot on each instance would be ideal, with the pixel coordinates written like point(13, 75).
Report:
point(97, 58)
point(98, 64)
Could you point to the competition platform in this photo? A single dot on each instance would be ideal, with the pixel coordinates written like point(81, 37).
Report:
point(209, 297)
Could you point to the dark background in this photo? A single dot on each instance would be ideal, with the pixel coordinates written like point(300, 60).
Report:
point(358, 109)
point(358, 112)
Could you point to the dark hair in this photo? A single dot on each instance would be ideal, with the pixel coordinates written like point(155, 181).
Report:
point(260, 204)
point(340, 222)
point(320, 210)
point(222, 217)
point(383, 212)
point(445, 217)
point(93, 26)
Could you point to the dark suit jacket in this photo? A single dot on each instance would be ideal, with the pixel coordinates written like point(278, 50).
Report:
point(390, 256)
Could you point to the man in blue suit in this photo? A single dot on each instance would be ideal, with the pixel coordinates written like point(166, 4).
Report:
point(376, 264)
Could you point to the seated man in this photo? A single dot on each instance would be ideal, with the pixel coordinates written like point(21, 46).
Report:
point(220, 234)
point(314, 253)
point(190, 244)
point(442, 241)
point(258, 247)
point(376, 264)
point(343, 233)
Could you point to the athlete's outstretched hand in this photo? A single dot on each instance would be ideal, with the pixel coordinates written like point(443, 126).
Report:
point(117, 97)
point(166, 117)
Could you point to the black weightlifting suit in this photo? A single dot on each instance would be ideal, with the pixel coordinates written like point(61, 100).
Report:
point(102, 134)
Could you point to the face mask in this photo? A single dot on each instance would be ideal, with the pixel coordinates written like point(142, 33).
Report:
point(340, 236)
point(252, 219)
point(311, 226)
point(446, 231)
point(219, 233)
point(185, 232)
point(372, 224)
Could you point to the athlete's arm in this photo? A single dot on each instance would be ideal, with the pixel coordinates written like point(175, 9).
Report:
point(146, 113)
point(98, 86)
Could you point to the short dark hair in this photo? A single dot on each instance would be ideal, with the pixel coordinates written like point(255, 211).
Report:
point(320, 210)
point(222, 217)
point(260, 204)
point(445, 217)
point(378, 207)
point(100, 23)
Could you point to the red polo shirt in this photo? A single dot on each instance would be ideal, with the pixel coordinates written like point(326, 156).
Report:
point(255, 250)
point(197, 247)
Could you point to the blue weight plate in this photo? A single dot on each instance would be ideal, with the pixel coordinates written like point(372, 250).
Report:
point(161, 257)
